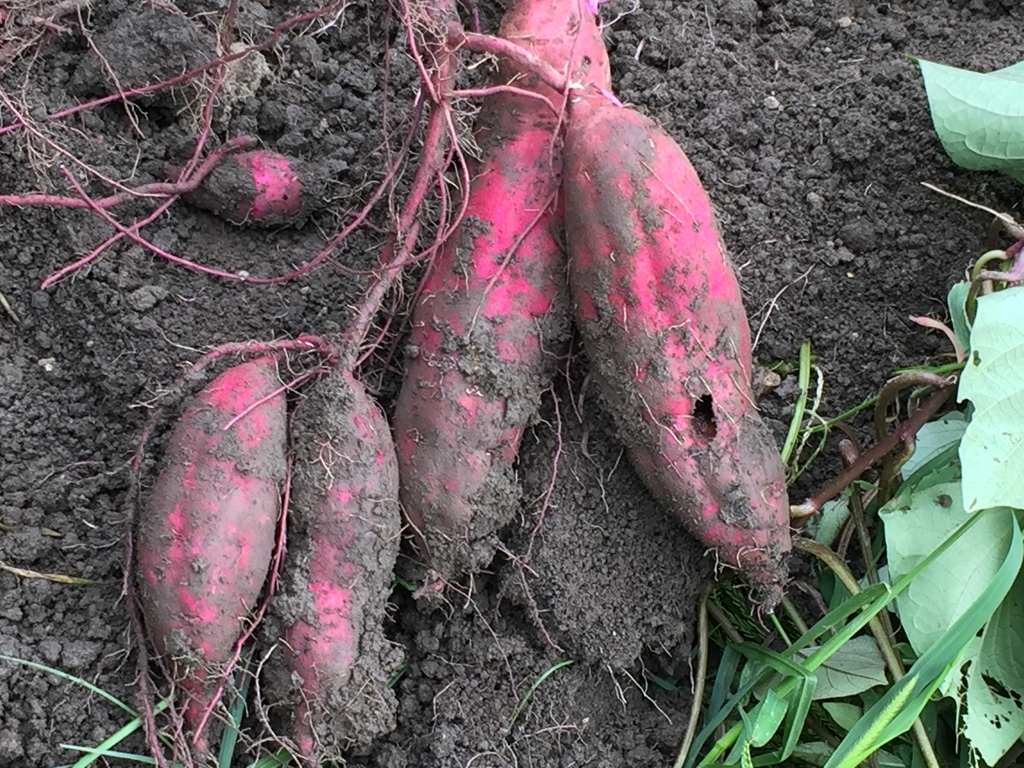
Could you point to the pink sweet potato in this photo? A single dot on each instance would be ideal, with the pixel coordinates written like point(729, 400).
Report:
point(344, 532)
point(493, 317)
point(659, 308)
point(206, 531)
point(258, 188)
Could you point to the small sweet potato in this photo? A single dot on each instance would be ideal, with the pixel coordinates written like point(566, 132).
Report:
point(493, 317)
point(344, 532)
point(659, 308)
point(258, 188)
point(206, 531)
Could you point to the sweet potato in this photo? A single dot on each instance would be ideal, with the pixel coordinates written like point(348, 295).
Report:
point(206, 531)
point(493, 316)
point(659, 308)
point(344, 532)
point(258, 188)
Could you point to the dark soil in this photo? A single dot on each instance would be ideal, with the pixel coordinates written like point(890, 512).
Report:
point(810, 130)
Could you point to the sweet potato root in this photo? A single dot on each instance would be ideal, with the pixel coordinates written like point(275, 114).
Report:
point(660, 312)
point(493, 316)
point(206, 531)
point(344, 532)
point(257, 188)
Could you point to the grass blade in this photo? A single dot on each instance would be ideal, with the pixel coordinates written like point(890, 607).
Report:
point(727, 669)
point(276, 760)
point(230, 737)
point(869, 602)
point(894, 713)
point(775, 709)
point(797, 421)
point(536, 684)
point(945, 459)
point(97, 752)
point(799, 708)
point(72, 679)
point(104, 747)
point(717, 719)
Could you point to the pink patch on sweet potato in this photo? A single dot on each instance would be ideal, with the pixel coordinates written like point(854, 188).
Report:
point(662, 318)
point(206, 531)
point(491, 323)
point(278, 186)
point(344, 535)
point(258, 188)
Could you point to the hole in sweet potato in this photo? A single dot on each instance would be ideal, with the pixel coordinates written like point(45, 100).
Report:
point(704, 418)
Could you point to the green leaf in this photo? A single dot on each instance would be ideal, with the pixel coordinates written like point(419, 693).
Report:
point(813, 752)
point(957, 301)
point(995, 681)
point(933, 437)
point(794, 707)
point(716, 719)
point(825, 526)
point(727, 669)
point(817, 752)
point(979, 117)
point(955, 684)
point(894, 714)
point(762, 661)
point(273, 760)
point(943, 468)
point(915, 524)
point(992, 449)
point(768, 717)
point(846, 715)
point(841, 624)
point(854, 668)
point(883, 576)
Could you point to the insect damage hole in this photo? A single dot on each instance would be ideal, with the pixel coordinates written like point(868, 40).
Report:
point(704, 418)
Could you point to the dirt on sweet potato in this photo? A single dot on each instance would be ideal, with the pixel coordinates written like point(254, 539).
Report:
point(206, 530)
point(330, 613)
point(664, 326)
point(493, 319)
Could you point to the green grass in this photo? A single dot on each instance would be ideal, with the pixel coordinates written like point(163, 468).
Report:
point(108, 747)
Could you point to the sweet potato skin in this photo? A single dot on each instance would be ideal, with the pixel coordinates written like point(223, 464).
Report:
point(206, 531)
point(481, 357)
point(258, 188)
point(661, 315)
point(563, 33)
point(344, 533)
point(489, 328)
